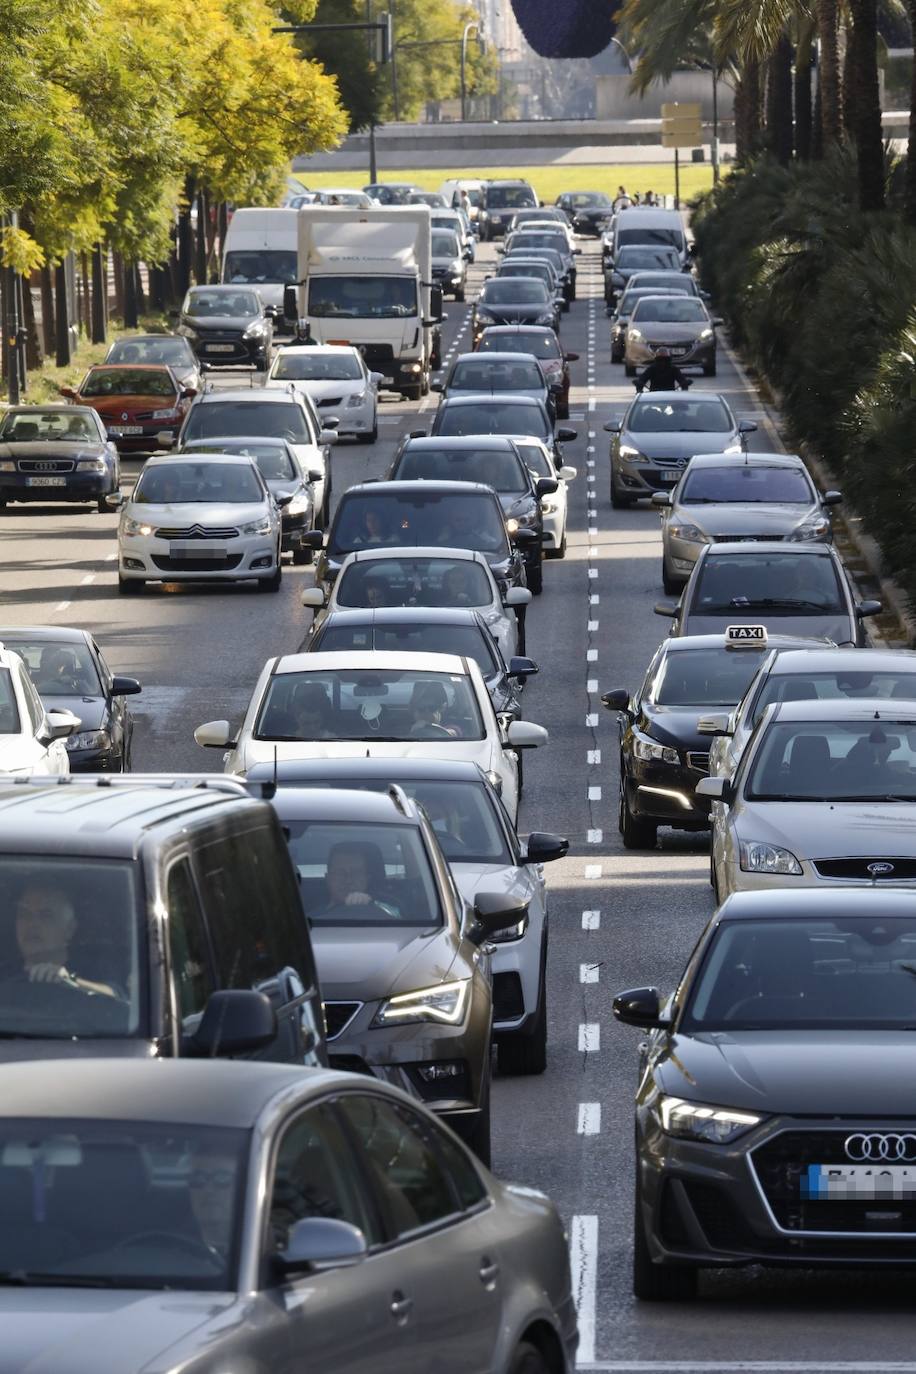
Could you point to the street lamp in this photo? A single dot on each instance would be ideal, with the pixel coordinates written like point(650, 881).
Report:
point(471, 26)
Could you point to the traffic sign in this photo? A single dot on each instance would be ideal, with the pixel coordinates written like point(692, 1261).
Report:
point(676, 109)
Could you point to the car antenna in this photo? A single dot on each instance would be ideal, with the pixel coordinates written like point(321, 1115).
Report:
point(276, 784)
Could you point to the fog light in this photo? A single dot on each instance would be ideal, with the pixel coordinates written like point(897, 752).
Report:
point(262, 562)
point(445, 1068)
point(133, 563)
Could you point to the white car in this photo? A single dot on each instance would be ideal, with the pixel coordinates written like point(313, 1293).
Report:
point(375, 705)
point(388, 576)
point(824, 793)
point(31, 737)
point(200, 518)
point(554, 508)
point(336, 379)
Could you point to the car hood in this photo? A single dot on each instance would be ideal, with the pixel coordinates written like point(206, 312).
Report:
point(56, 448)
point(96, 1331)
point(509, 314)
point(83, 1047)
point(821, 830)
point(213, 322)
point(506, 879)
point(834, 626)
point(114, 407)
point(367, 963)
point(680, 444)
point(184, 513)
point(677, 725)
point(320, 391)
point(738, 518)
point(262, 751)
point(662, 332)
point(92, 711)
point(803, 1073)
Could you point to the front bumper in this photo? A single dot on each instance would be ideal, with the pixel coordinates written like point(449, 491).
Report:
point(295, 528)
point(95, 760)
point(681, 556)
point(151, 560)
point(78, 486)
point(737, 879)
point(227, 351)
point(353, 419)
point(701, 353)
point(642, 476)
point(517, 973)
point(664, 792)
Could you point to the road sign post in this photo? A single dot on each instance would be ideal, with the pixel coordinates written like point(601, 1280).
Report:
point(680, 129)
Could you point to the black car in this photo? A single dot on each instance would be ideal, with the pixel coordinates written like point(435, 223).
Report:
point(557, 241)
point(490, 460)
point(545, 346)
point(633, 258)
point(518, 265)
point(775, 1107)
point(663, 755)
point(171, 349)
point(501, 200)
point(426, 630)
point(587, 211)
point(57, 453)
point(69, 672)
point(514, 300)
point(228, 326)
point(507, 414)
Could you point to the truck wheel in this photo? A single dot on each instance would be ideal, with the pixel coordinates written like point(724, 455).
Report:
point(412, 393)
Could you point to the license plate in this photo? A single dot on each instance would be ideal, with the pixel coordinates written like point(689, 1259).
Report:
point(669, 476)
point(46, 481)
point(220, 348)
point(120, 430)
point(195, 551)
point(859, 1182)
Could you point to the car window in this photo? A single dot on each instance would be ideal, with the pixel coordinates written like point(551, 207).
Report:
point(188, 945)
point(268, 420)
point(500, 468)
point(33, 706)
point(700, 415)
point(65, 668)
point(670, 310)
point(353, 874)
point(464, 819)
point(645, 256)
point(767, 581)
point(124, 381)
point(494, 374)
point(315, 1175)
point(628, 301)
point(261, 265)
point(838, 685)
point(9, 711)
point(445, 245)
point(508, 197)
point(42, 426)
point(414, 582)
point(156, 350)
point(673, 238)
point(535, 459)
point(424, 519)
point(468, 640)
point(703, 677)
point(513, 291)
point(362, 298)
point(737, 482)
point(312, 366)
point(205, 483)
point(826, 760)
point(493, 417)
point(407, 1174)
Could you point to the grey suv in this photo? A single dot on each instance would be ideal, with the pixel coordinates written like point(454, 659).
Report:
point(227, 326)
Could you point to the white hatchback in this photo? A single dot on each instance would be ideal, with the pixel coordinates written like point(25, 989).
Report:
point(375, 705)
point(336, 379)
point(31, 737)
point(540, 462)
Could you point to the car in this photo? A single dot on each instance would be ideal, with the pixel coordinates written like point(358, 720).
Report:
point(671, 281)
point(519, 373)
point(556, 257)
point(458, 223)
point(501, 200)
point(660, 432)
point(682, 324)
point(153, 918)
point(337, 382)
point(32, 737)
point(200, 517)
point(429, 630)
point(484, 853)
point(587, 211)
point(391, 192)
point(280, 466)
point(556, 238)
point(824, 793)
point(450, 269)
point(486, 414)
point(68, 670)
point(137, 402)
point(425, 578)
point(57, 453)
point(257, 1210)
point(541, 462)
point(663, 751)
point(228, 326)
point(545, 346)
point(495, 461)
point(774, 1111)
point(623, 309)
point(473, 189)
point(409, 516)
point(652, 226)
point(516, 265)
point(542, 216)
point(829, 674)
point(434, 199)
point(342, 195)
point(637, 257)
point(766, 496)
point(270, 413)
point(794, 589)
point(353, 705)
point(514, 300)
point(170, 349)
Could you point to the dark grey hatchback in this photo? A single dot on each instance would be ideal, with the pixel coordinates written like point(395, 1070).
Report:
point(776, 1099)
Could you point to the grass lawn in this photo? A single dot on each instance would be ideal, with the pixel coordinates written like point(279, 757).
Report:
point(548, 181)
point(44, 384)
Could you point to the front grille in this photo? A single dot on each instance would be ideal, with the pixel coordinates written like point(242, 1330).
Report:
point(508, 998)
point(670, 1222)
point(698, 760)
point(375, 354)
point(331, 401)
point(747, 539)
point(46, 464)
point(781, 1163)
point(857, 869)
point(337, 1016)
point(653, 476)
point(187, 565)
point(198, 532)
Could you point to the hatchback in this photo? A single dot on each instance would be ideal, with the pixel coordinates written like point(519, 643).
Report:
point(683, 325)
point(545, 346)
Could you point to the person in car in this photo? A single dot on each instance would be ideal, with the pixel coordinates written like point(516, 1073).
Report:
point(45, 928)
point(456, 588)
point(313, 714)
point(427, 707)
point(349, 884)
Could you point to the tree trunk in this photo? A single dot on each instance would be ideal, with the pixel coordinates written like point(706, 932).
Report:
point(909, 206)
point(47, 311)
point(99, 292)
point(117, 265)
point(159, 288)
point(200, 245)
point(802, 102)
point(747, 111)
point(62, 317)
point(223, 218)
point(848, 57)
point(131, 312)
point(867, 105)
point(828, 77)
point(779, 101)
point(185, 243)
point(34, 353)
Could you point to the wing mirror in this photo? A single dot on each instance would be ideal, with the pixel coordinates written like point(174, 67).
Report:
point(312, 539)
point(715, 789)
point(522, 668)
point(524, 734)
point(543, 848)
point(517, 596)
point(165, 439)
point(495, 911)
point(524, 538)
point(317, 1243)
point(62, 724)
point(747, 426)
point(613, 426)
point(124, 686)
point(437, 386)
point(831, 498)
point(661, 498)
point(567, 473)
point(235, 1021)
point(114, 500)
point(546, 486)
point(639, 1007)
point(864, 609)
point(215, 734)
point(565, 435)
point(572, 357)
point(664, 608)
point(618, 699)
point(714, 725)
point(313, 596)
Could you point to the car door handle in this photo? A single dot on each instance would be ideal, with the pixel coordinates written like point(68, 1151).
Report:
point(400, 1306)
point(489, 1271)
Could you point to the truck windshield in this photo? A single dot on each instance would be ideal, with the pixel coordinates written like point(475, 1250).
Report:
point(261, 264)
point(362, 298)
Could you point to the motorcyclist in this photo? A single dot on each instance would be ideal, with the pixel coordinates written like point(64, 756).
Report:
point(662, 374)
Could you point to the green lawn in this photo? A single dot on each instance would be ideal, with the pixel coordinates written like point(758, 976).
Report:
point(548, 181)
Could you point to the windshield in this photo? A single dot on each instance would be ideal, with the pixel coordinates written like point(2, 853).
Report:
point(767, 581)
point(701, 415)
point(497, 468)
point(641, 255)
point(494, 417)
point(672, 283)
point(209, 483)
point(673, 238)
point(835, 685)
point(364, 875)
point(201, 302)
point(508, 197)
point(261, 265)
point(467, 640)
point(513, 291)
point(835, 761)
point(69, 963)
point(445, 246)
point(414, 582)
point(134, 381)
point(452, 521)
point(670, 310)
point(737, 483)
point(34, 426)
point(527, 251)
point(127, 1204)
point(704, 677)
point(484, 374)
point(362, 298)
point(62, 668)
point(312, 366)
point(158, 350)
point(580, 200)
point(381, 704)
point(266, 419)
point(541, 238)
point(541, 342)
point(525, 268)
point(9, 712)
point(629, 300)
point(274, 460)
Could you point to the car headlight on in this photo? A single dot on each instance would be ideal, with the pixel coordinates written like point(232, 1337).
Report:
point(757, 857)
point(635, 334)
point(705, 334)
point(88, 739)
point(549, 507)
point(647, 750)
point(300, 504)
point(254, 331)
point(545, 318)
point(261, 526)
point(484, 317)
point(133, 527)
point(358, 398)
point(7, 466)
point(91, 465)
point(165, 414)
point(691, 533)
point(630, 454)
point(445, 1004)
point(815, 528)
point(699, 1121)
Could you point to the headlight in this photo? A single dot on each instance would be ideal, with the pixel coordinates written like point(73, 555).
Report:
point(7, 466)
point(186, 331)
point(706, 333)
point(512, 933)
point(630, 454)
point(484, 317)
point(767, 858)
point(357, 399)
point(254, 331)
point(691, 533)
point(647, 750)
point(811, 529)
point(526, 519)
point(455, 268)
point(130, 527)
point(165, 414)
point(697, 1121)
point(261, 526)
point(88, 739)
point(549, 507)
point(546, 318)
point(446, 1004)
point(91, 465)
point(635, 334)
point(300, 503)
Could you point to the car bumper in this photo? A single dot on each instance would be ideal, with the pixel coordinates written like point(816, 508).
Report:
point(231, 352)
point(150, 560)
point(643, 477)
point(95, 760)
point(517, 971)
point(147, 441)
point(681, 555)
point(78, 487)
point(665, 792)
point(295, 528)
point(699, 354)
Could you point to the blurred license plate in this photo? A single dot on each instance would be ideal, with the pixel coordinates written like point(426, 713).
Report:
point(220, 348)
point(862, 1182)
point(195, 551)
point(120, 430)
point(46, 481)
point(669, 476)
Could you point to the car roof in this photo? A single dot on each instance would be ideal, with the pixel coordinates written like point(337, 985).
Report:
point(149, 338)
point(53, 633)
point(747, 460)
point(494, 358)
point(463, 441)
point(680, 644)
point(338, 804)
point(419, 486)
point(193, 445)
point(371, 659)
point(810, 903)
point(752, 548)
point(863, 708)
point(405, 615)
point(265, 393)
point(645, 397)
point(318, 350)
point(468, 398)
point(130, 367)
point(288, 771)
point(62, 406)
point(163, 459)
point(395, 552)
point(841, 661)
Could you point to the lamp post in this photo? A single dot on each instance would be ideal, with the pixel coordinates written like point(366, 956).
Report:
point(470, 26)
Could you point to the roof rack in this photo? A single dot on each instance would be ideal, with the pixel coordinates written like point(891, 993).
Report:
point(174, 782)
point(399, 797)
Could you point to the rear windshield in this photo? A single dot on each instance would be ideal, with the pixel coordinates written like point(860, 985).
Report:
point(541, 342)
point(837, 685)
point(380, 705)
point(494, 417)
point(497, 468)
point(436, 520)
point(468, 640)
point(134, 381)
point(736, 483)
point(414, 582)
point(482, 374)
point(774, 582)
point(364, 875)
point(642, 255)
point(704, 677)
point(706, 415)
point(513, 291)
point(269, 420)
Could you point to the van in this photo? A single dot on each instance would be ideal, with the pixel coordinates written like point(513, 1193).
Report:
point(450, 190)
point(261, 249)
point(151, 917)
point(650, 226)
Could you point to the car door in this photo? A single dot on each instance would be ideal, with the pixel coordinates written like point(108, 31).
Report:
point(47, 756)
point(119, 722)
point(444, 1232)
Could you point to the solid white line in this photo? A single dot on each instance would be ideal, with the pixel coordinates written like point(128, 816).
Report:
point(90, 577)
point(593, 871)
point(594, 836)
point(583, 1259)
point(594, 794)
point(591, 722)
point(750, 1366)
point(589, 1118)
point(588, 973)
point(589, 1037)
point(591, 920)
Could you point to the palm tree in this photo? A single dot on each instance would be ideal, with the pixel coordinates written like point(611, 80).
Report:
point(910, 194)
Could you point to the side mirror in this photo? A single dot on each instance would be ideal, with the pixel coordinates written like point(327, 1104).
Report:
point(312, 539)
point(664, 608)
point(215, 734)
point(864, 609)
point(522, 668)
point(498, 911)
point(543, 848)
point(661, 498)
point(315, 475)
point(747, 426)
point(572, 357)
point(613, 426)
point(317, 1243)
point(618, 699)
point(314, 597)
point(638, 1007)
point(437, 386)
point(376, 378)
point(417, 434)
point(62, 723)
point(165, 439)
point(524, 734)
point(174, 314)
point(435, 304)
point(273, 312)
point(517, 596)
point(114, 500)
point(546, 486)
point(831, 498)
point(567, 473)
point(715, 789)
point(717, 320)
point(235, 1021)
point(188, 393)
point(124, 686)
point(283, 499)
point(291, 304)
point(566, 435)
point(714, 725)
point(524, 538)
point(70, 392)
point(328, 436)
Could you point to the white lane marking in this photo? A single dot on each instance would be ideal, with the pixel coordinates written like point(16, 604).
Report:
point(593, 572)
point(591, 655)
point(590, 448)
point(583, 1259)
point(589, 1037)
point(594, 836)
point(591, 722)
point(593, 871)
point(594, 599)
point(593, 757)
point(592, 403)
point(110, 557)
point(594, 794)
point(590, 478)
point(589, 1118)
point(588, 973)
point(591, 434)
point(591, 685)
point(90, 577)
point(592, 626)
point(62, 605)
point(592, 530)
point(591, 920)
point(589, 462)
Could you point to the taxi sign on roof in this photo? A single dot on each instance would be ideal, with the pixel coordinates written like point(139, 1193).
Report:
point(745, 637)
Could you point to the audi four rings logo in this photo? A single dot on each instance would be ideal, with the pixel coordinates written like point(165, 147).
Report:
point(876, 1149)
point(880, 870)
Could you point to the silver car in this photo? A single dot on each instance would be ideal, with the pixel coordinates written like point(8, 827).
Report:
point(450, 268)
point(683, 325)
point(766, 496)
point(195, 1216)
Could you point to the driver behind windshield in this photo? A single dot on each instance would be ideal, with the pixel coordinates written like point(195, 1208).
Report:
point(46, 925)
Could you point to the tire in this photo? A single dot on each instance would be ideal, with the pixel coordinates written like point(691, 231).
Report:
point(520, 618)
point(629, 369)
point(129, 586)
point(657, 1282)
point(620, 502)
point(709, 369)
point(671, 587)
point(302, 557)
point(476, 1133)
point(635, 832)
point(101, 507)
point(459, 295)
point(563, 410)
point(522, 1056)
point(272, 583)
point(616, 355)
point(535, 577)
point(559, 551)
point(369, 438)
point(412, 393)
point(527, 1359)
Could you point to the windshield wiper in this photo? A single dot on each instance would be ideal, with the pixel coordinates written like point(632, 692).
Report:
point(783, 602)
point(33, 1278)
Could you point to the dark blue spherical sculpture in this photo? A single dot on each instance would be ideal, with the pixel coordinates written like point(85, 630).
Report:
point(567, 28)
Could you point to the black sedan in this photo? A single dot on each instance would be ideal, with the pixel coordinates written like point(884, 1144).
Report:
point(775, 1107)
point(587, 211)
point(227, 326)
point(514, 300)
point(70, 673)
point(57, 453)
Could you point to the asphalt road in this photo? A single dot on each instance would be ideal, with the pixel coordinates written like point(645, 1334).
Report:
point(617, 919)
